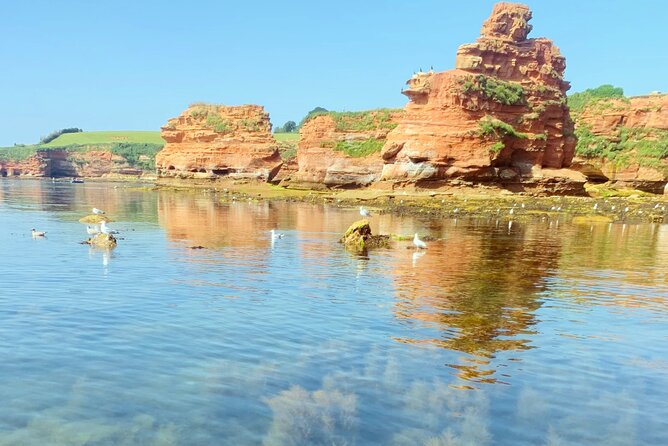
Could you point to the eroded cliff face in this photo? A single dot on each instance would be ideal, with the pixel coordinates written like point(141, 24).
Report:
point(500, 115)
point(625, 140)
point(343, 149)
point(211, 141)
point(65, 163)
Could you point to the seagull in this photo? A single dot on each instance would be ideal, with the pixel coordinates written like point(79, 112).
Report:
point(512, 211)
point(36, 234)
point(595, 206)
point(97, 211)
point(275, 235)
point(364, 212)
point(419, 243)
point(105, 230)
point(92, 230)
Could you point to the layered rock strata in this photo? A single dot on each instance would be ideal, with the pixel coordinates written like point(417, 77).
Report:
point(343, 149)
point(625, 140)
point(211, 141)
point(500, 115)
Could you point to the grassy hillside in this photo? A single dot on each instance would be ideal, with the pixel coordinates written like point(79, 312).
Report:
point(131, 145)
point(287, 144)
point(286, 137)
point(84, 138)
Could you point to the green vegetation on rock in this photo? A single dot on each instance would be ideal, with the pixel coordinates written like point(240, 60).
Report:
point(358, 149)
point(368, 120)
point(577, 102)
point(503, 92)
point(489, 127)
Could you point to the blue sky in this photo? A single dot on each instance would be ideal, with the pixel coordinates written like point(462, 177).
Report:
point(131, 65)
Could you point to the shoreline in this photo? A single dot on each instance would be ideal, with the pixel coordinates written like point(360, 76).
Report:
point(612, 205)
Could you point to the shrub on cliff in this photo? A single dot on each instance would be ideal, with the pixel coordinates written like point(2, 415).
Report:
point(138, 155)
point(503, 92)
point(578, 101)
point(489, 127)
point(358, 149)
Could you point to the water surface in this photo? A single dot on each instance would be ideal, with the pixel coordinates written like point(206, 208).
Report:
point(543, 333)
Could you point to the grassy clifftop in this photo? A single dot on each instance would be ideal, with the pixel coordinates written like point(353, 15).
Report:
point(131, 145)
point(644, 146)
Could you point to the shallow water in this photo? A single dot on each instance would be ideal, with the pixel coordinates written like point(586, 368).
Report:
point(543, 333)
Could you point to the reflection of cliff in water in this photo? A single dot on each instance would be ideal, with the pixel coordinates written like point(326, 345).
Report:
point(120, 201)
point(478, 290)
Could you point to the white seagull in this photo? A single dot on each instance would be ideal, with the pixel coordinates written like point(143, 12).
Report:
point(419, 243)
point(364, 212)
point(97, 211)
point(105, 230)
point(36, 234)
point(275, 235)
point(92, 230)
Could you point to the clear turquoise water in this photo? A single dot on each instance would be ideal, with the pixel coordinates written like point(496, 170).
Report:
point(536, 334)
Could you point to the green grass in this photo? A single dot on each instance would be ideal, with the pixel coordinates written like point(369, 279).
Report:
point(358, 149)
point(112, 137)
point(577, 102)
point(286, 137)
point(366, 120)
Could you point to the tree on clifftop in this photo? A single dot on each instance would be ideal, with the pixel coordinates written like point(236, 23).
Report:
point(316, 111)
point(290, 126)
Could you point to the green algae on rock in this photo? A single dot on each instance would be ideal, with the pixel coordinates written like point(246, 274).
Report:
point(358, 237)
point(106, 241)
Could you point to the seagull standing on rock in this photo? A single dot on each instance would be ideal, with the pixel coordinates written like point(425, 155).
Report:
point(97, 211)
point(92, 230)
point(364, 212)
point(105, 230)
point(419, 244)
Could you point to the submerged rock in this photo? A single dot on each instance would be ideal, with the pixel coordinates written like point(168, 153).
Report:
point(358, 237)
point(101, 240)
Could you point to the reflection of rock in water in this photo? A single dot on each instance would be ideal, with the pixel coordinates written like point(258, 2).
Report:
point(486, 285)
point(320, 417)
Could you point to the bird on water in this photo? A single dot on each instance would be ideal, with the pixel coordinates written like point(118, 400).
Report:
point(364, 212)
point(419, 243)
point(275, 235)
point(36, 234)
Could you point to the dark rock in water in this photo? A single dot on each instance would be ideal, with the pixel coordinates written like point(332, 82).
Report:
point(102, 241)
point(358, 237)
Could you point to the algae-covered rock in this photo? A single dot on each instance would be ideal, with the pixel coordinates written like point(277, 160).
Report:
point(94, 219)
point(102, 241)
point(358, 237)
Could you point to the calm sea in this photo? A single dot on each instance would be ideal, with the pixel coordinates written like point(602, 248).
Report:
point(544, 333)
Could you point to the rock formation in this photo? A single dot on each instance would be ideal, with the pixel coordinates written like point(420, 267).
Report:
point(343, 149)
point(500, 115)
point(211, 141)
point(87, 162)
point(625, 140)
point(358, 237)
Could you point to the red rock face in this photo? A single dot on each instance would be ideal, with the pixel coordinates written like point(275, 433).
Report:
point(642, 119)
point(61, 163)
point(500, 115)
point(210, 141)
point(326, 143)
point(641, 112)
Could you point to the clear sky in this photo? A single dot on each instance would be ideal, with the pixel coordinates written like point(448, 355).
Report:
point(132, 64)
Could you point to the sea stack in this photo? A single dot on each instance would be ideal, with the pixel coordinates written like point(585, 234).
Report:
point(500, 115)
point(212, 141)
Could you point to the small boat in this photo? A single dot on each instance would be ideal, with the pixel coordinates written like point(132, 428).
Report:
point(76, 180)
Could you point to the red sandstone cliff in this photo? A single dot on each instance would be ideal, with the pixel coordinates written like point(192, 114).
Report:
point(343, 149)
point(65, 163)
point(210, 141)
point(500, 115)
point(634, 134)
